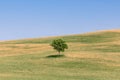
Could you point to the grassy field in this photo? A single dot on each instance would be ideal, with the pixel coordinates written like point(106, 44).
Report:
point(92, 56)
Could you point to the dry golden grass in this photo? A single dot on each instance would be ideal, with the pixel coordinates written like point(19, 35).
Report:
point(19, 49)
point(73, 52)
point(102, 31)
point(6, 75)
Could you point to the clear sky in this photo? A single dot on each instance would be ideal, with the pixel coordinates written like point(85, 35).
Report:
point(37, 18)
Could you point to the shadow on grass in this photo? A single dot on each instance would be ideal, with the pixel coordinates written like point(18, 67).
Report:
point(55, 56)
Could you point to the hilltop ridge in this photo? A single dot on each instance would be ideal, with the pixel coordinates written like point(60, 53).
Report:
point(91, 37)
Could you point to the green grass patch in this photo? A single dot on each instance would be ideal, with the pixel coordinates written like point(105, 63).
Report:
point(38, 67)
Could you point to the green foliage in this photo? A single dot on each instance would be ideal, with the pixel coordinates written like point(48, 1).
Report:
point(59, 45)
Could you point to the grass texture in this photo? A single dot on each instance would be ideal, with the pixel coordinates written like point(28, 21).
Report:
point(92, 56)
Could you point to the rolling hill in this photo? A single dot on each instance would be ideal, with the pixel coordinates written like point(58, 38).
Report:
point(91, 56)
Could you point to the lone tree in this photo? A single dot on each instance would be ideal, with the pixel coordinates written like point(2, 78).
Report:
point(59, 45)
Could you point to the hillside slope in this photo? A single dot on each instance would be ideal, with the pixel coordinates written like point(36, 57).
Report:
point(95, 37)
point(91, 56)
point(106, 41)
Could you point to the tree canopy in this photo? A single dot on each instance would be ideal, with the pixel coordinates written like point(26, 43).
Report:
point(59, 45)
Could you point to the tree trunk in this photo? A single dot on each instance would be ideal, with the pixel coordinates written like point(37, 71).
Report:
point(59, 53)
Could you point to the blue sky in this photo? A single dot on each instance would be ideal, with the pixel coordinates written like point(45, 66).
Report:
point(37, 18)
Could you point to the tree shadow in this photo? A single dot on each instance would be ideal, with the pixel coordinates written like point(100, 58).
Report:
point(55, 56)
